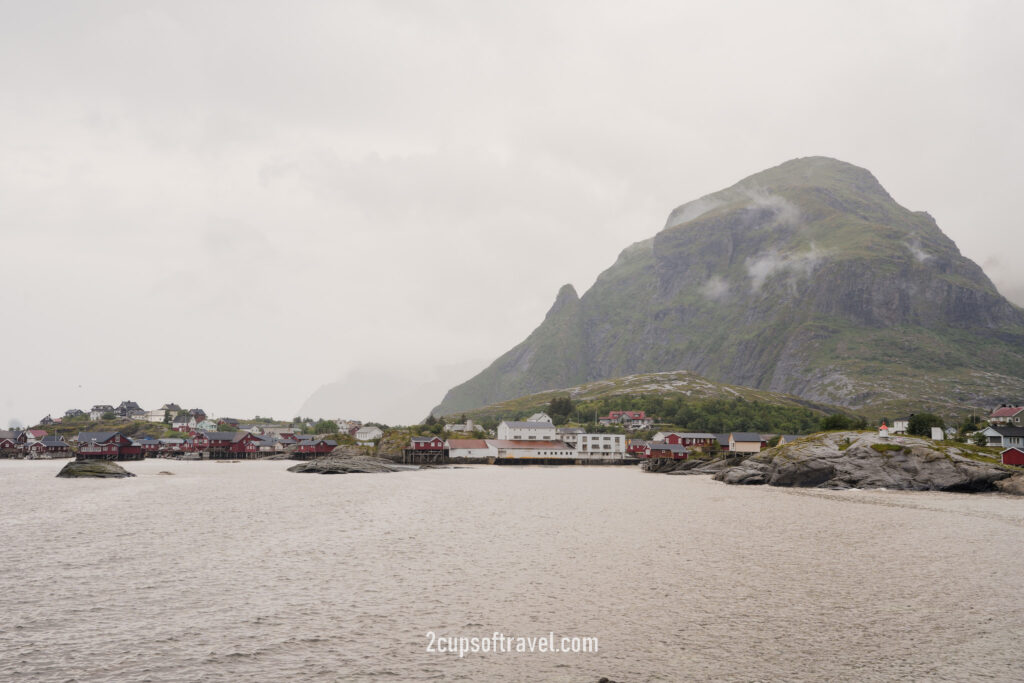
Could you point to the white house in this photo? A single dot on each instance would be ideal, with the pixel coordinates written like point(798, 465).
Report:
point(605, 445)
point(1004, 437)
point(155, 415)
point(470, 448)
point(540, 417)
point(1007, 414)
point(744, 442)
point(367, 435)
point(527, 431)
point(899, 425)
point(98, 411)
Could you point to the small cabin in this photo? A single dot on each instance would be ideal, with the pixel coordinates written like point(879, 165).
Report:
point(1013, 456)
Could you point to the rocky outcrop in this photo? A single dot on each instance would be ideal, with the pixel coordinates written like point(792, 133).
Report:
point(1014, 485)
point(842, 460)
point(104, 469)
point(342, 464)
point(689, 466)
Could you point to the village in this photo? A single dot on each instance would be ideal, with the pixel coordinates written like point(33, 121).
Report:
point(189, 434)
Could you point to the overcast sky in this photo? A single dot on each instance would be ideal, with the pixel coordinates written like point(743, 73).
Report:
point(231, 204)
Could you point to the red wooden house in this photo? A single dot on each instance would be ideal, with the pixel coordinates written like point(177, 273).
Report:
point(316, 447)
point(634, 419)
point(673, 451)
point(1013, 456)
point(227, 444)
point(107, 446)
point(637, 448)
point(53, 445)
point(430, 444)
point(690, 438)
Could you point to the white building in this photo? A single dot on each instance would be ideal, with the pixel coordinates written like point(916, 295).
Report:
point(899, 425)
point(540, 417)
point(527, 450)
point(569, 434)
point(527, 431)
point(604, 445)
point(155, 415)
point(470, 448)
point(469, 426)
point(367, 435)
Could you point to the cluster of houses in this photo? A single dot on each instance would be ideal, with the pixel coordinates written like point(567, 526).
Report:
point(32, 443)
point(537, 438)
point(1005, 431)
point(112, 445)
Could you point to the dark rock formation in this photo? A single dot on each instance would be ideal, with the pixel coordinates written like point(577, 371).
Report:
point(865, 460)
point(93, 468)
point(341, 464)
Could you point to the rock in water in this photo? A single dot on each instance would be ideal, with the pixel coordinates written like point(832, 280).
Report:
point(864, 460)
point(93, 468)
point(1013, 485)
point(349, 465)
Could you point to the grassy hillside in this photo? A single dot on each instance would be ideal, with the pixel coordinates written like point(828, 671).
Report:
point(681, 399)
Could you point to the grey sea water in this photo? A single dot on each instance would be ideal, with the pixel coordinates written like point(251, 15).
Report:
point(243, 571)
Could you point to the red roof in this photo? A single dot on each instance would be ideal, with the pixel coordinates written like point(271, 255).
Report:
point(37, 433)
point(467, 443)
point(1006, 411)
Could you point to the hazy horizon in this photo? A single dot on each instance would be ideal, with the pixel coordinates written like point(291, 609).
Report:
point(232, 207)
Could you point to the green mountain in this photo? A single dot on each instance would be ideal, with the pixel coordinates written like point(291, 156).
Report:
point(806, 279)
point(680, 384)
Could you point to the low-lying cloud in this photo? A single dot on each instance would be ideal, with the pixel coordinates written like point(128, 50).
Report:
point(798, 265)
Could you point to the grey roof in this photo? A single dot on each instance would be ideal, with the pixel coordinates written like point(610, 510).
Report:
point(671, 447)
point(570, 430)
point(746, 436)
point(53, 440)
point(1009, 431)
point(723, 439)
point(529, 425)
point(695, 435)
point(103, 406)
point(8, 435)
point(223, 436)
point(425, 438)
point(86, 437)
point(791, 437)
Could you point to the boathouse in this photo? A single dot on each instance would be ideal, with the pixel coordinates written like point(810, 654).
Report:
point(310, 447)
point(671, 451)
point(107, 446)
point(1013, 456)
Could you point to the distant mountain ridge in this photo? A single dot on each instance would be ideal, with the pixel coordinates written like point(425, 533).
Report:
point(806, 279)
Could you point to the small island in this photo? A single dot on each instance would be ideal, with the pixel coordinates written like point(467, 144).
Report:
point(103, 469)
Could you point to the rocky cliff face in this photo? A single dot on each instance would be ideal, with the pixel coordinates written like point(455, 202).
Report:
point(807, 278)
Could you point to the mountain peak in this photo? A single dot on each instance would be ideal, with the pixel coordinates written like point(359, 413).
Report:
point(806, 278)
